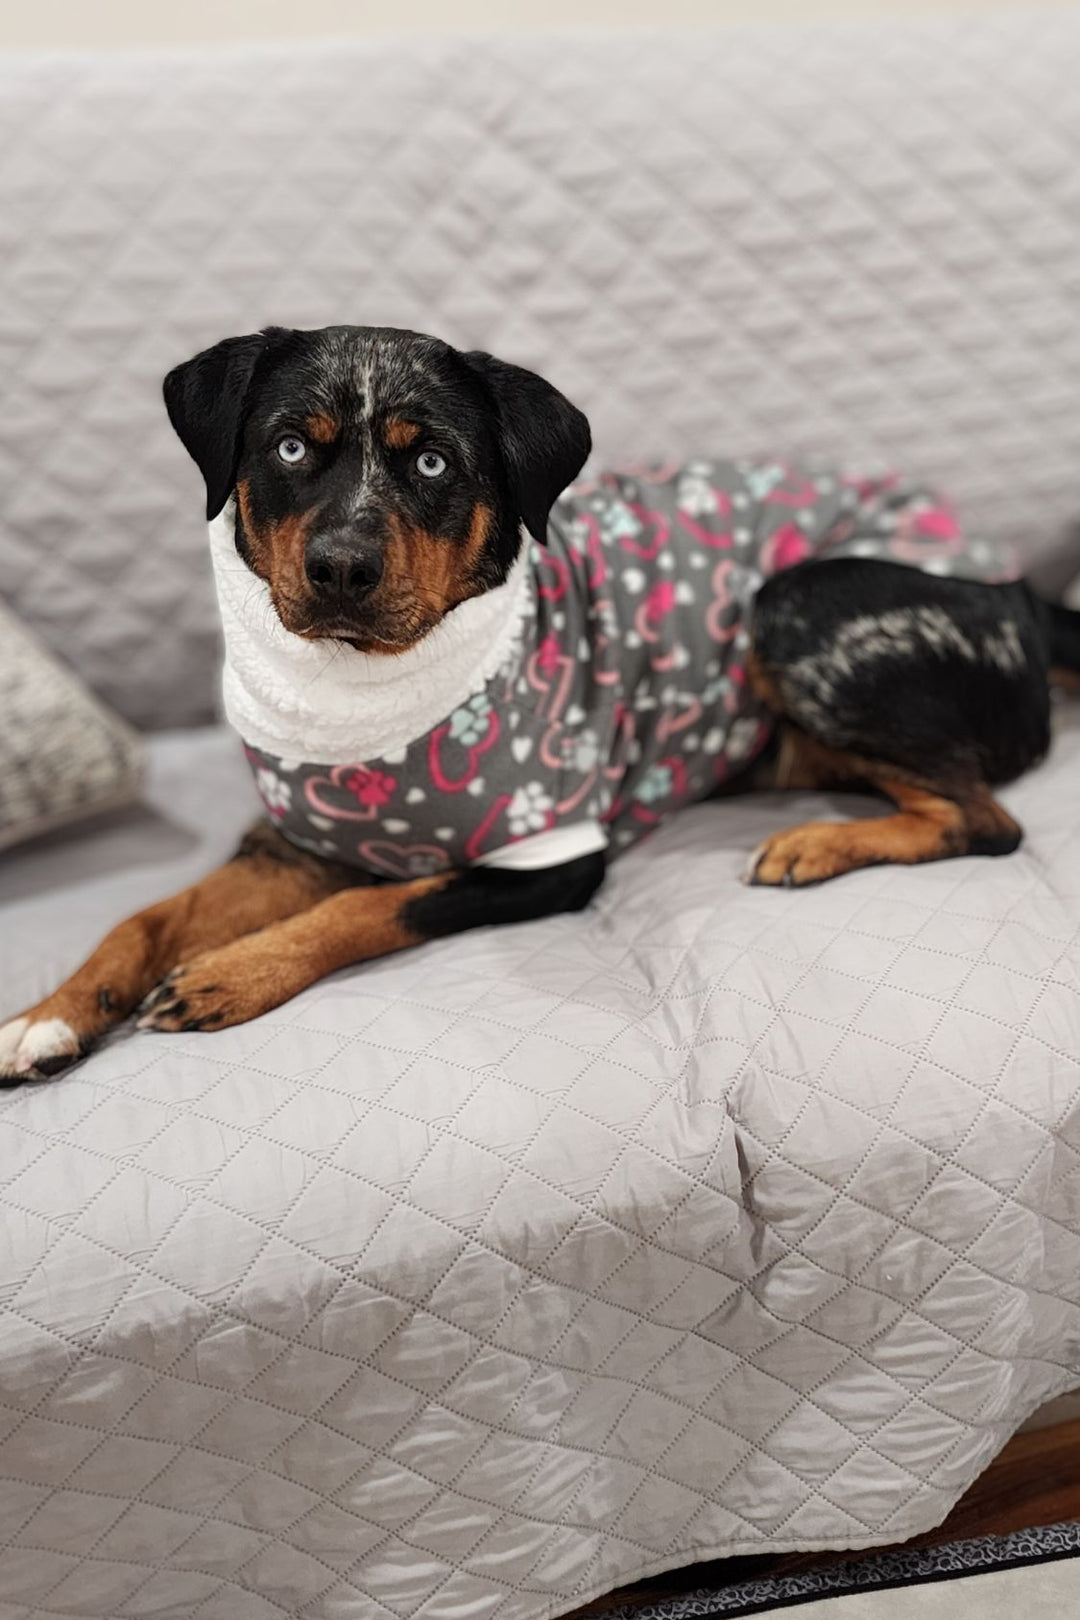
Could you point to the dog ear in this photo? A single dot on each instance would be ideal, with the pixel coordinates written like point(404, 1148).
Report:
point(544, 439)
point(205, 399)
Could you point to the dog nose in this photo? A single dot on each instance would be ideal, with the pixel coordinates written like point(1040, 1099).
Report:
point(338, 568)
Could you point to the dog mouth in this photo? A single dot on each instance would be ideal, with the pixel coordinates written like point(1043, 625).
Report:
point(366, 638)
point(383, 628)
point(334, 631)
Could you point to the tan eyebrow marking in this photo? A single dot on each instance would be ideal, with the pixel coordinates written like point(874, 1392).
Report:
point(399, 434)
point(323, 429)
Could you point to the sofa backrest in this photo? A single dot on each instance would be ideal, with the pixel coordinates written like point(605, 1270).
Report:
point(861, 239)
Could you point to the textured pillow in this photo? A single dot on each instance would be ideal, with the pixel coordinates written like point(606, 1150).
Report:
point(63, 755)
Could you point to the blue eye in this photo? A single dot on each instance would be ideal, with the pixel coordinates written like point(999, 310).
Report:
point(291, 449)
point(430, 464)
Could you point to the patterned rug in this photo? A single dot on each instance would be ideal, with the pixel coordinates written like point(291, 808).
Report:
point(885, 1584)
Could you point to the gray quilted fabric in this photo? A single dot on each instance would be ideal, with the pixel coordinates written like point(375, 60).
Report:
point(864, 242)
point(63, 755)
point(479, 1280)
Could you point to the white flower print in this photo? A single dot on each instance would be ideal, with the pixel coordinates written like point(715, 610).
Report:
point(607, 619)
point(696, 497)
point(742, 737)
point(577, 532)
point(527, 811)
point(274, 791)
point(419, 865)
point(582, 751)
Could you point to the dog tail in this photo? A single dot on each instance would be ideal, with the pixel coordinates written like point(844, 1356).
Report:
point(1064, 626)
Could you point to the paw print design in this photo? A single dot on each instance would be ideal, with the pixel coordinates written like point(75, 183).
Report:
point(274, 791)
point(582, 751)
point(371, 787)
point(656, 784)
point(469, 724)
point(529, 809)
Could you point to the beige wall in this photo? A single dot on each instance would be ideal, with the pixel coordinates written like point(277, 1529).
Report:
point(64, 23)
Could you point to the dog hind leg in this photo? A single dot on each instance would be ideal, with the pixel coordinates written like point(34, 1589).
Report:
point(927, 826)
point(925, 691)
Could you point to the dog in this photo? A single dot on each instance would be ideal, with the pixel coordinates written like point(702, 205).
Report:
point(465, 683)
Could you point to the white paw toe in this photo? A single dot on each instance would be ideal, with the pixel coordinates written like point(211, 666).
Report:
point(10, 1036)
point(30, 1051)
point(750, 869)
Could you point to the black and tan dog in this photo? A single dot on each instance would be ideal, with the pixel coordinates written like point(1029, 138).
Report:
point(383, 482)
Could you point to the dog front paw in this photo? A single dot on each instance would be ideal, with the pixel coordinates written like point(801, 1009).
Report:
point(230, 984)
point(37, 1048)
point(215, 990)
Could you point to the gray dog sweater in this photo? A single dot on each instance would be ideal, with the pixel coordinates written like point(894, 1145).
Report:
point(575, 708)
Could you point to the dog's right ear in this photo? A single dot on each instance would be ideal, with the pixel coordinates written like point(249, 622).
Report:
point(205, 399)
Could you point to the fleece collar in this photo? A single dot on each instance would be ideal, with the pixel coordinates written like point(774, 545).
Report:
point(322, 702)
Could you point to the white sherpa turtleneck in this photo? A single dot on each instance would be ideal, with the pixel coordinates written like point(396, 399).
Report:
point(322, 702)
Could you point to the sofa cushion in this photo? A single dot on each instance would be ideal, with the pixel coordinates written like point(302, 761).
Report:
point(63, 755)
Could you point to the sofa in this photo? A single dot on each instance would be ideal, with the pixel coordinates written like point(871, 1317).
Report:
point(478, 1281)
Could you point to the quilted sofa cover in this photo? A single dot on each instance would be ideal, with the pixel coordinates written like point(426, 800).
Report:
point(480, 1280)
point(475, 1282)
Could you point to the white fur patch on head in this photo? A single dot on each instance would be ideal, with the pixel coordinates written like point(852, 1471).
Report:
point(24, 1046)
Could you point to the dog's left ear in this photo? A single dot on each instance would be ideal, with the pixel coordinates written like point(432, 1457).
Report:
point(544, 439)
point(205, 398)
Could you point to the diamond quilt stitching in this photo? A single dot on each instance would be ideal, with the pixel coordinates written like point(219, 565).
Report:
point(881, 882)
point(723, 241)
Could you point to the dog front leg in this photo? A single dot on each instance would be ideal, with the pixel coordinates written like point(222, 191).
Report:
point(266, 880)
point(238, 981)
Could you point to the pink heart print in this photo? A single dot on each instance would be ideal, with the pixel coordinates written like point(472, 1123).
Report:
point(401, 860)
point(371, 789)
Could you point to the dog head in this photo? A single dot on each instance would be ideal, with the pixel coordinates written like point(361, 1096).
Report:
point(381, 477)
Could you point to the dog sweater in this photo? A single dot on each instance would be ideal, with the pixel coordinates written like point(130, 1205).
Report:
point(580, 704)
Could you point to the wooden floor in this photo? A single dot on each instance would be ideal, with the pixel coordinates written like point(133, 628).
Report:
point(1035, 1480)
